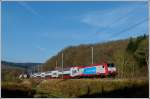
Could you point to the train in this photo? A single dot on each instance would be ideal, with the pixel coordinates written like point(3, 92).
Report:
point(95, 70)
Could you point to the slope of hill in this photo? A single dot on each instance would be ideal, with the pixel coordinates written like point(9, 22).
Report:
point(124, 53)
point(81, 55)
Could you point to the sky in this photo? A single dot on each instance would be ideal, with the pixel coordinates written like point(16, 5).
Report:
point(36, 31)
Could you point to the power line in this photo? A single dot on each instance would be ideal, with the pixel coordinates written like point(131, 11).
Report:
point(116, 21)
point(121, 18)
point(92, 54)
point(129, 28)
point(56, 64)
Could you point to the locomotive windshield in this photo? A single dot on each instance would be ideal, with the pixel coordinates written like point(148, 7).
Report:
point(111, 65)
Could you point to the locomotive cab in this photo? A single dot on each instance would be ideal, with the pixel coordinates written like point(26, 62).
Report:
point(111, 69)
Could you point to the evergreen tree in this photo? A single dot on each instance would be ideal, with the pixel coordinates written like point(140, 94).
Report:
point(142, 52)
point(131, 46)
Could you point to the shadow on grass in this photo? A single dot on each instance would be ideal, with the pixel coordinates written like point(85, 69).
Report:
point(132, 92)
point(9, 93)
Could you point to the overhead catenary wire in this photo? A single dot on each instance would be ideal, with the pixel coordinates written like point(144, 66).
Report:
point(56, 64)
point(130, 13)
point(116, 21)
point(131, 27)
point(92, 55)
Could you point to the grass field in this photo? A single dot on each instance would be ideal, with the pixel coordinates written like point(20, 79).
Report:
point(117, 88)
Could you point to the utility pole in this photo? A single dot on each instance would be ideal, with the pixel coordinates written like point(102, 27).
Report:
point(41, 68)
point(62, 65)
point(92, 55)
point(34, 68)
point(56, 64)
point(38, 68)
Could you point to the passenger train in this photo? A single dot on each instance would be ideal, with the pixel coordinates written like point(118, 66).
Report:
point(96, 70)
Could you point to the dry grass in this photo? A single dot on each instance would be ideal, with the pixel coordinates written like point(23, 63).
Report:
point(74, 87)
point(81, 87)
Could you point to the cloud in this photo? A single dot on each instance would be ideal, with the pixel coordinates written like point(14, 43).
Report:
point(118, 20)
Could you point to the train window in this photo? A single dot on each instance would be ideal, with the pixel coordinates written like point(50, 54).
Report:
point(54, 73)
point(74, 71)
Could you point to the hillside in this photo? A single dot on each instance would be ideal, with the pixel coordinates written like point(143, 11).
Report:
point(81, 55)
point(129, 55)
point(11, 70)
